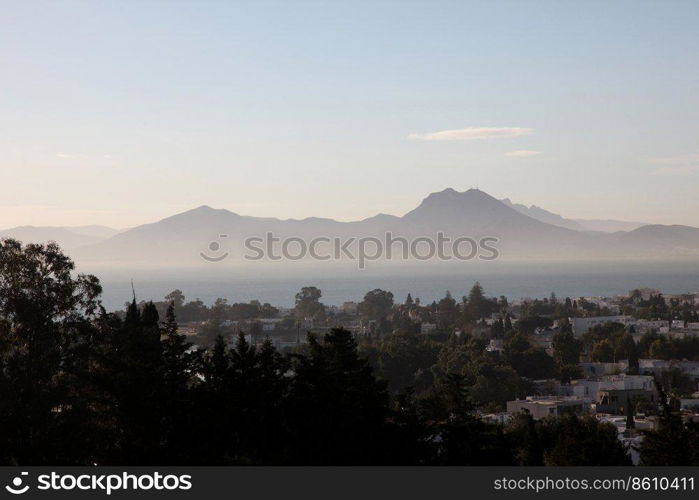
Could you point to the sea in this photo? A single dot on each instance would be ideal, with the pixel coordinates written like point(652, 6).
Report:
point(278, 285)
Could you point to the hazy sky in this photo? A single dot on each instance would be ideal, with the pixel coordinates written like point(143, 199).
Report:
point(123, 112)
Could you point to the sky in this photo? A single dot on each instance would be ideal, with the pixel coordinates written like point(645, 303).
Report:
point(121, 113)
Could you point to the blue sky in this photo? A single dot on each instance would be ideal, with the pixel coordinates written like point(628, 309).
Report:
point(125, 112)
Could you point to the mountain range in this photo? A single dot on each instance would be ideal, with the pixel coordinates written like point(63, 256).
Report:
point(604, 225)
point(523, 232)
point(68, 238)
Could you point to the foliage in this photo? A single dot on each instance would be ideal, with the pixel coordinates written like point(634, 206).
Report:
point(80, 386)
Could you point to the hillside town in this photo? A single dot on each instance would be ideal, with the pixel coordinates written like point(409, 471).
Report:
point(607, 357)
point(478, 380)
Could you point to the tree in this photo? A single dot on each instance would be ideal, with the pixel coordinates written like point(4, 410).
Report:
point(566, 348)
point(446, 312)
point(213, 397)
point(476, 307)
point(216, 365)
point(570, 440)
point(673, 443)
point(129, 379)
point(180, 364)
point(508, 324)
point(258, 392)
point(409, 301)
point(79, 386)
point(404, 359)
point(497, 330)
point(526, 360)
point(46, 328)
point(495, 384)
point(566, 373)
point(603, 351)
point(308, 303)
point(632, 355)
point(465, 438)
point(176, 298)
point(525, 432)
point(339, 410)
point(377, 304)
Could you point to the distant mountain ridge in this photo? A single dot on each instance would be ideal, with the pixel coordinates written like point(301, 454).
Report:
point(67, 237)
point(179, 240)
point(603, 225)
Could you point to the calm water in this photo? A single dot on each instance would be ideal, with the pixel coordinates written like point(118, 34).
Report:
point(514, 280)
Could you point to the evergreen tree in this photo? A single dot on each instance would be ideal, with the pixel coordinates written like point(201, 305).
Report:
point(673, 443)
point(508, 325)
point(130, 381)
point(575, 441)
point(179, 367)
point(567, 348)
point(338, 409)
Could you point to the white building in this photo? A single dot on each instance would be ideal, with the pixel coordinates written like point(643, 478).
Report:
point(349, 307)
point(645, 325)
point(269, 324)
point(495, 345)
point(587, 389)
point(656, 366)
point(691, 404)
point(646, 292)
point(541, 407)
point(426, 328)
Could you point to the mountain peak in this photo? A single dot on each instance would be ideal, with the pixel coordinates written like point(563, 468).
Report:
point(452, 207)
point(206, 209)
point(477, 193)
point(454, 194)
point(201, 213)
point(202, 208)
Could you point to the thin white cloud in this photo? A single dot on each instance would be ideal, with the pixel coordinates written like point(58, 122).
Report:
point(684, 170)
point(523, 153)
point(677, 160)
point(64, 155)
point(677, 165)
point(470, 133)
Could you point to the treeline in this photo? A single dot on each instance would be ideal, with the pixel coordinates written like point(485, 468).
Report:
point(658, 307)
point(220, 310)
point(612, 342)
point(81, 386)
point(407, 360)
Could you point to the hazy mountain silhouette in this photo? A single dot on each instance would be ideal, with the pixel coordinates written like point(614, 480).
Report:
point(609, 225)
point(603, 225)
point(178, 240)
point(542, 215)
point(657, 238)
point(474, 211)
point(67, 237)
